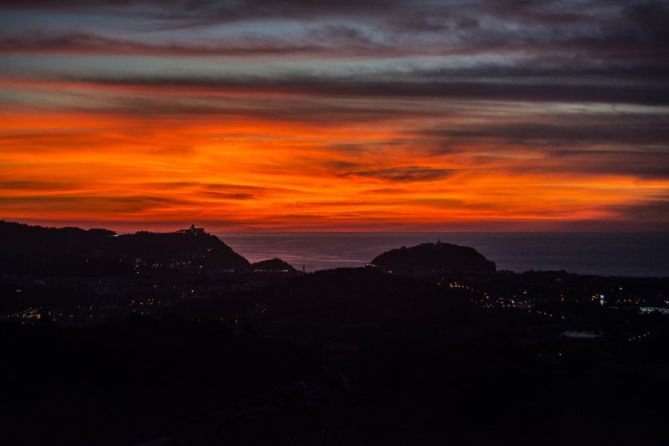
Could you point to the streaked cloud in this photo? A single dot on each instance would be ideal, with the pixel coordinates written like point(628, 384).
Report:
point(366, 114)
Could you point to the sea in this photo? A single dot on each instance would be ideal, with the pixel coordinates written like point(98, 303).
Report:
point(606, 254)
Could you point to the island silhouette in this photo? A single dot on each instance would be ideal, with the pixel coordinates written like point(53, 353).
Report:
point(433, 259)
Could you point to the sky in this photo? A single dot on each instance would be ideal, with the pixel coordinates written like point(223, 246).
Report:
point(348, 115)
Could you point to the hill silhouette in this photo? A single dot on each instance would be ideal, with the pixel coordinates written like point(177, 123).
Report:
point(74, 251)
point(274, 265)
point(433, 258)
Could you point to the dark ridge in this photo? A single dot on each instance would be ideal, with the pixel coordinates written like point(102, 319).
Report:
point(433, 258)
point(274, 265)
point(74, 251)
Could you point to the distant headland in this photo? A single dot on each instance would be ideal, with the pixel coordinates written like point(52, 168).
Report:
point(433, 259)
point(75, 251)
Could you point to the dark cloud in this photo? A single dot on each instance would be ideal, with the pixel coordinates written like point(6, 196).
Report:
point(402, 174)
point(656, 210)
point(624, 144)
point(612, 129)
point(229, 196)
point(237, 188)
point(408, 86)
point(212, 190)
point(52, 202)
point(39, 185)
point(81, 42)
point(650, 19)
point(233, 8)
point(567, 39)
point(647, 17)
point(647, 165)
point(640, 163)
point(143, 101)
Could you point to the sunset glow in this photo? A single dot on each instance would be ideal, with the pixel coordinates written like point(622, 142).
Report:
point(352, 122)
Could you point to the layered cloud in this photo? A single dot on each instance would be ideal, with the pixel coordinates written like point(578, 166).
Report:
point(355, 115)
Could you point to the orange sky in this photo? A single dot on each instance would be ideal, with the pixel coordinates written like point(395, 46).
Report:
point(254, 174)
point(133, 116)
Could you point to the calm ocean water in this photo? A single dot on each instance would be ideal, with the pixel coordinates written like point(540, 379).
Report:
point(638, 254)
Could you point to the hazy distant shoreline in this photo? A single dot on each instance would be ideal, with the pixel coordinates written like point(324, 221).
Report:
point(609, 254)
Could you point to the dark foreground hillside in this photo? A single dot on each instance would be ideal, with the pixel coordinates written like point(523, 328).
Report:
point(168, 349)
point(338, 357)
point(124, 383)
